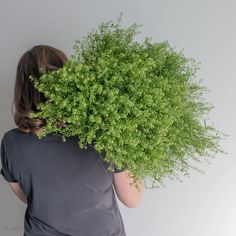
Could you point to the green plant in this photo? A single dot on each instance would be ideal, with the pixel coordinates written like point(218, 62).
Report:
point(138, 101)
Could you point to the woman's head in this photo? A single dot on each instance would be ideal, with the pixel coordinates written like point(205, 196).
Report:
point(38, 60)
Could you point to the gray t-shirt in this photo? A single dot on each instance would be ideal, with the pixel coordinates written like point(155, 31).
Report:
point(69, 190)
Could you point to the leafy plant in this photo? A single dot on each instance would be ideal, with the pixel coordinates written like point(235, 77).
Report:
point(139, 102)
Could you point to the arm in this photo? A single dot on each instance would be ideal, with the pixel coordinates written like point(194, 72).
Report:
point(18, 191)
point(129, 195)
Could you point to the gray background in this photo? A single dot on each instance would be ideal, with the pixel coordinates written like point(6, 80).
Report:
point(204, 204)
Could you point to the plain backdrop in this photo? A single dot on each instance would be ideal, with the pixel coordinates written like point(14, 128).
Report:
point(203, 204)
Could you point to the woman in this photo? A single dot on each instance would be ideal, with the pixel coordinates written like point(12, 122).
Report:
point(68, 190)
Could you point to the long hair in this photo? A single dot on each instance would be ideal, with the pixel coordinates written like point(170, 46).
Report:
point(38, 60)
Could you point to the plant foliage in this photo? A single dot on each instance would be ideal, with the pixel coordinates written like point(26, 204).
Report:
point(140, 102)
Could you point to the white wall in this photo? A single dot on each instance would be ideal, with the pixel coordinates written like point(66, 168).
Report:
point(204, 204)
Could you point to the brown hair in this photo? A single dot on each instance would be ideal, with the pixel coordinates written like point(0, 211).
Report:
point(38, 60)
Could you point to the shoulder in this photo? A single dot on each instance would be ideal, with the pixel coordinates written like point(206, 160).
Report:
point(9, 136)
point(11, 132)
point(15, 132)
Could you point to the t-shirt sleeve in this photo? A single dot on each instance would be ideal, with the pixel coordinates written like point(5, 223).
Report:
point(5, 171)
point(116, 170)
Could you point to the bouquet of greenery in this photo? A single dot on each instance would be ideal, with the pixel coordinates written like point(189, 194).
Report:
point(137, 101)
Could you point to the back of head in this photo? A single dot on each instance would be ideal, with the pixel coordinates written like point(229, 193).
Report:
point(38, 60)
